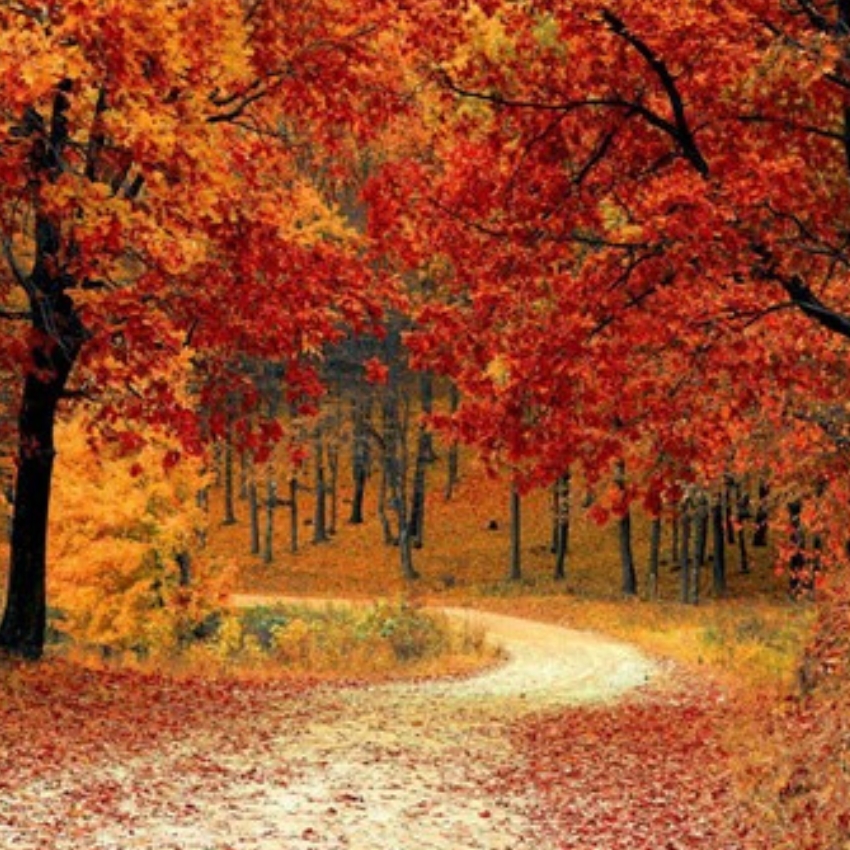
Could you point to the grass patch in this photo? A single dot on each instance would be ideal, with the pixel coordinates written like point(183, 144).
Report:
point(378, 641)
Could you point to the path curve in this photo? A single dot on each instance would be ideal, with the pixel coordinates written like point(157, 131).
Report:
point(403, 766)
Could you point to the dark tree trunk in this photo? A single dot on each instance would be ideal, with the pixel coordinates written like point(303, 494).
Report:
point(561, 525)
point(25, 618)
point(58, 337)
point(453, 466)
point(271, 504)
point(654, 557)
point(760, 533)
point(395, 422)
point(23, 627)
point(360, 459)
point(254, 516)
point(320, 528)
point(293, 514)
point(701, 521)
point(744, 513)
point(627, 560)
point(685, 553)
point(719, 547)
point(333, 488)
point(424, 458)
point(624, 527)
point(728, 501)
point(515, 571)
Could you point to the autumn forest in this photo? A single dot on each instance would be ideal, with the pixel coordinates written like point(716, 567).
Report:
point(424, 424)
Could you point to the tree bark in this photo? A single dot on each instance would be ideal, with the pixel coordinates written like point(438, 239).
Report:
point(719, 546)
point(320, 528)
point(293, 514)
point(58, 337)
point(561, 525)
point(360, 457)
point(424, 458)
point(627, 560)
point(515, 571)
point(685, 553)
point(654, 557)
point(254, 516)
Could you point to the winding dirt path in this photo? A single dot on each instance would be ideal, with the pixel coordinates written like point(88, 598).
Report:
point(390, 767)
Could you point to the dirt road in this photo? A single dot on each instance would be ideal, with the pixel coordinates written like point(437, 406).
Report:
point(393, 767)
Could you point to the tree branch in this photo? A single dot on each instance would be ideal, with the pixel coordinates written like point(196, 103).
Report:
point(679, 129)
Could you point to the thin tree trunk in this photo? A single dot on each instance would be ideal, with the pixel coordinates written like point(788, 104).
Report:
point(701, 522)
point(654, 557)
point(271, 504)
point(424, 457)
point(561, 525)
point(674, 541)
point(719, 546)
point(762, 516)
point(320, 529)
point(293, 514)
point(729, 498)
point(395, 473)
point(744, 513)
point(333, 488)
point(685, 553)
point(515, 571)
point(360, 456)
point(627, 560)
point(254, 516)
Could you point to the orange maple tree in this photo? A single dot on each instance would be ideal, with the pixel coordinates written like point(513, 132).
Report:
point(166, 186)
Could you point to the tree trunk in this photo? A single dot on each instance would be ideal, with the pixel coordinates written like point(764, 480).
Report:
point(719, 546)
point(744, 513)
point(515, 572)
point(333, 488)
point(271, 504)
point(701, 517)
point(320, 528)
point(685, 553)
point(293, 514)
point(59, 335)
point(360, 457)
point(254, 516)
point(561, 525)
point(627, 560)
point(729, 498)
point(424, 457)
point(762, 516)
point(654, 557)
point(22, 630)
point(25, 618)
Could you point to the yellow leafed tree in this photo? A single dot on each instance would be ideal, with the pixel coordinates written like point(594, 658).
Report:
point(129, 570)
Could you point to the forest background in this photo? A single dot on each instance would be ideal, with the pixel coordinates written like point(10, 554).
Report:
point(301, 256)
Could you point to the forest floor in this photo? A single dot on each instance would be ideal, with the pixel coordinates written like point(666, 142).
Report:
point(558, 747)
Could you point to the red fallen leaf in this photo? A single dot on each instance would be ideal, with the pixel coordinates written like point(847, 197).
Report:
point(485, 814)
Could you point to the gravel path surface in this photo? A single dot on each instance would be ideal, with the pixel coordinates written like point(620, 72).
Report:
point(391, 767)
